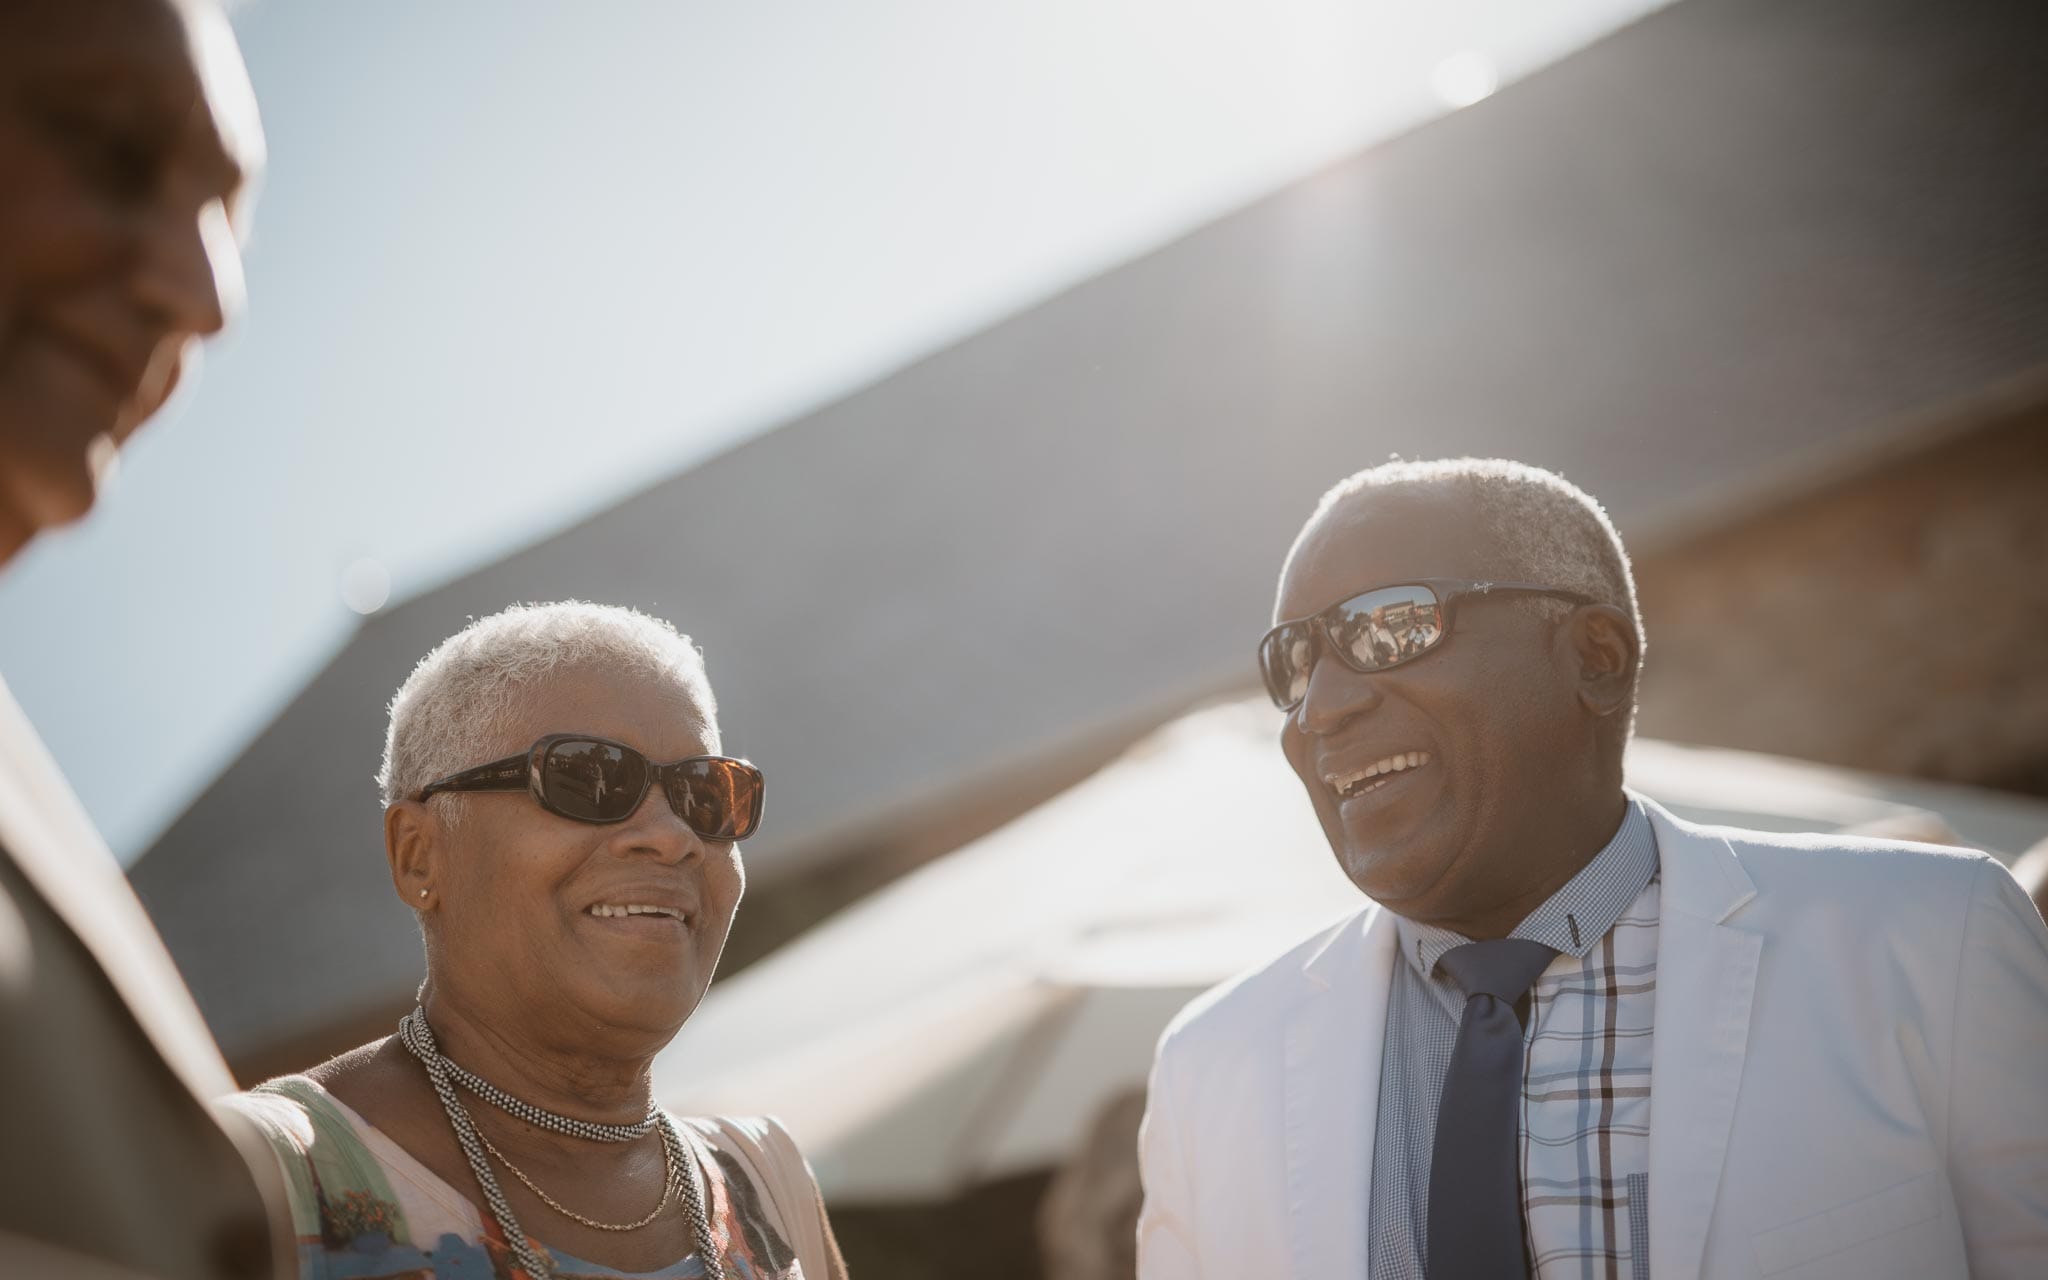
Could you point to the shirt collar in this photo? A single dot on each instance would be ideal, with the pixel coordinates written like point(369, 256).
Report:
point(1577, 915)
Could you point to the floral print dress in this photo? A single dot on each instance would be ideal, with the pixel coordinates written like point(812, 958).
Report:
point(364, 1209)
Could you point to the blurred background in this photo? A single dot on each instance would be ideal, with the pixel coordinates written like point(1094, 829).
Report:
point(957, 375)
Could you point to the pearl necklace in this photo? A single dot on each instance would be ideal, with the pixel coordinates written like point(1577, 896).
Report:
point(414, 1033)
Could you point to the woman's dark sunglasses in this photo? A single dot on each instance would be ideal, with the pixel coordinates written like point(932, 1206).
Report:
point(1375, 630)
point(598, 780)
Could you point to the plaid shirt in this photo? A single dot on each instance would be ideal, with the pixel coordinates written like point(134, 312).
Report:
point(1585, 1133)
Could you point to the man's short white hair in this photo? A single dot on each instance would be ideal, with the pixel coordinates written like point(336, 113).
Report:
point(1541, 527)
point(445, 717)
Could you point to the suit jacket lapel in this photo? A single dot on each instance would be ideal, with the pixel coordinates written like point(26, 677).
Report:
point(1706, 977)
point(1335, 1034)
point(52, 842)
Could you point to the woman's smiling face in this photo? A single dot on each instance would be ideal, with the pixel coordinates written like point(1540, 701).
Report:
point(516, 920)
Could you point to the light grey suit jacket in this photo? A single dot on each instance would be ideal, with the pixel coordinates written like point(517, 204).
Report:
point(110, 1161)
point(1849, 1079)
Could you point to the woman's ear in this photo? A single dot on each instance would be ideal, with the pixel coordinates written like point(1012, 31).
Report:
point(412, 842)
point(1604, 645)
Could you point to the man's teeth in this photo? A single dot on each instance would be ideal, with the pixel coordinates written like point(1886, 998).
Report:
point(633, 909)
point(1375, 775)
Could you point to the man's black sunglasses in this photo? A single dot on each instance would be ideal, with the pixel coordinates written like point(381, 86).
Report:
point(1375, 630)
point(598, 780)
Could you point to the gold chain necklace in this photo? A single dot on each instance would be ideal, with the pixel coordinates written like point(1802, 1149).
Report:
point(670, 1183)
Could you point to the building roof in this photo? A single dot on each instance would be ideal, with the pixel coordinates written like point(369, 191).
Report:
point(1729, 244)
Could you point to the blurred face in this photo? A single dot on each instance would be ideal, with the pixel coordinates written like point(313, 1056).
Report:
point(127, 136)
point(515, 932)
point(1472, 749)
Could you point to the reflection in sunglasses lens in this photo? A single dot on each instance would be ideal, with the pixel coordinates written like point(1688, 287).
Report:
point(592, 780)
point(1381, 628)
point(696, 800)
point(599, 782)
point(1300, 656)
point(1284, 659)
point(727, 800)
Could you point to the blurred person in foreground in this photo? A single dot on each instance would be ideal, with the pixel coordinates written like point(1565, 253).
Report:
point(128, 136)
point(2031, 870)
point(559, 817)
point(1573, 1035)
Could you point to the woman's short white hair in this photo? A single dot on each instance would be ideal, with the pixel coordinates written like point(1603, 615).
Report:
point(444, 718)
point(1541, 526)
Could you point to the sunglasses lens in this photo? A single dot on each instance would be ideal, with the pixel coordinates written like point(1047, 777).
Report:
point(593, 781)
point(1384, 627)
point(720, 799)
point(1285, 659)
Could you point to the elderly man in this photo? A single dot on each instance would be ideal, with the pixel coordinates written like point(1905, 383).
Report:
point(1573, 1035)
point(127, 133)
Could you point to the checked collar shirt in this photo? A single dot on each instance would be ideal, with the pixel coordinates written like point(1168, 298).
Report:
point(1585, 1129)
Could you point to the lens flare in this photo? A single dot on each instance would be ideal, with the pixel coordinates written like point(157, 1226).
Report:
point(365, 586)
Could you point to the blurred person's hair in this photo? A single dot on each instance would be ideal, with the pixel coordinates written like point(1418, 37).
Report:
point(446, 716)
point(1540, 526)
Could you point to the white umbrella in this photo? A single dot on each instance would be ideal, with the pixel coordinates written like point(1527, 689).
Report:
point(969, 1021)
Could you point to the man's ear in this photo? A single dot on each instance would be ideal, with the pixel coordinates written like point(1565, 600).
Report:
point(412, 841)
point(1604, 648)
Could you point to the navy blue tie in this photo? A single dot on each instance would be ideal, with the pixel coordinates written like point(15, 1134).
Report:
point(1475, 1186)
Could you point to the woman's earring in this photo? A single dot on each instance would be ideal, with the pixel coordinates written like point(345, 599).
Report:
point(423, 893)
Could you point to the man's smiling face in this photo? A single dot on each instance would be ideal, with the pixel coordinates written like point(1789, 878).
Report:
point(128, 138)
point(1467, 745)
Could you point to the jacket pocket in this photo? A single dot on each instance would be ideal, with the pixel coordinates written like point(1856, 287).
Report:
point(1897, 1208)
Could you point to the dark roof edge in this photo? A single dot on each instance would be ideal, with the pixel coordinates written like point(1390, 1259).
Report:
point(1843, 461)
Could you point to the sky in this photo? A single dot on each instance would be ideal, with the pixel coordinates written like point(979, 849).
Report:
point(515, 260)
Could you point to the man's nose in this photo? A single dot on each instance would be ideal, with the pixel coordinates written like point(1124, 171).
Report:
point(189, 269)
point(1335, 694)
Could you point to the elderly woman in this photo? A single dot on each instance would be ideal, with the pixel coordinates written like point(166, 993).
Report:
point(558, 814)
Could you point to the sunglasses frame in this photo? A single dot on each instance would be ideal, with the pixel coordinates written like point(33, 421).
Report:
point(1449, 593)
point(523, 772)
